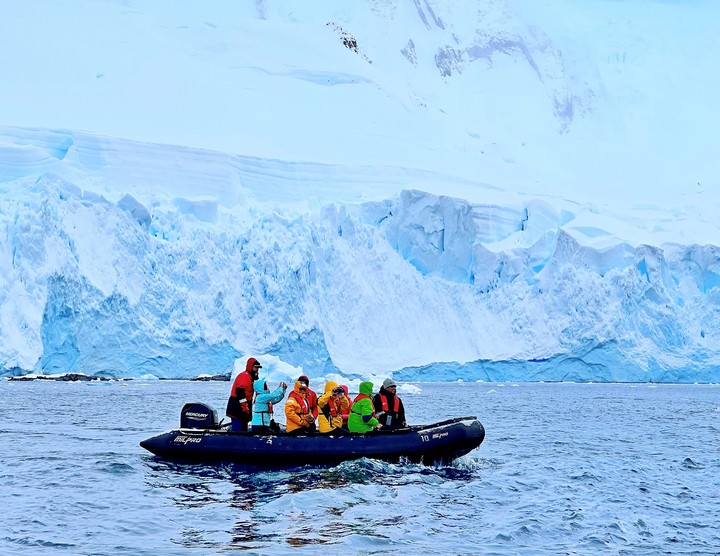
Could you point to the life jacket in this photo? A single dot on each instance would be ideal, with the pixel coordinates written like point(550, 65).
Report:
point(304, 407)
point(269, 405)
point(346, 412)
point(330, 409)
point(312, 400)
point(383, 400)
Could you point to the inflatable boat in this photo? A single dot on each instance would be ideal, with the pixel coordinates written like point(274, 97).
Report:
point(201, 439)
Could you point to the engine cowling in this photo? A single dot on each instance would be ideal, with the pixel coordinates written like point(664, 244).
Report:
point(198, 415)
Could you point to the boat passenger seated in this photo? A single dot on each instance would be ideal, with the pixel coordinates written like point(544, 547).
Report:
point(388, 406)
point(298, 418)
point(312, 397)
point(362, 416)
point(332, 404)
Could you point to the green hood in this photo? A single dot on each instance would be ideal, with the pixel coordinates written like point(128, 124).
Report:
point(366, 388)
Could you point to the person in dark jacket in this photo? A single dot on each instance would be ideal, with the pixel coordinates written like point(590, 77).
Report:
point(388, 406)
point(239, 406)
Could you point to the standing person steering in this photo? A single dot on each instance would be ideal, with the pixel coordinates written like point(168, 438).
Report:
point(239, 406)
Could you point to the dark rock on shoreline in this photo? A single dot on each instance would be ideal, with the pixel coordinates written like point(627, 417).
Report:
point(77, 377)
point(69, 377)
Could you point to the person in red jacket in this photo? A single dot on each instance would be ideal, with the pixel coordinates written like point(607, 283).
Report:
point(239, 406)
point(312, 399)
point(346, 413)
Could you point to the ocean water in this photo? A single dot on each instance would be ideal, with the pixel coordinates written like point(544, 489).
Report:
point(564, 469)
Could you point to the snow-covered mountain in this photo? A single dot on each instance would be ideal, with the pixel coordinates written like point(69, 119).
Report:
point(441, 189)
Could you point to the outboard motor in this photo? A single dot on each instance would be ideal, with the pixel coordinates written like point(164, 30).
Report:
point(198, 416)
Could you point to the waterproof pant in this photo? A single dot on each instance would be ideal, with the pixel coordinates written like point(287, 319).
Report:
point(237, 425)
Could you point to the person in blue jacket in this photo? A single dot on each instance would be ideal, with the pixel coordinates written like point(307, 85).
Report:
point(262, 419)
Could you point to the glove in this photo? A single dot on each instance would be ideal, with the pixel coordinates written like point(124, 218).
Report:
point(245, 413)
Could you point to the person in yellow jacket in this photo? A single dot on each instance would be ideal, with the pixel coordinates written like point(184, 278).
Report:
point(298, 418)
point(332, 404)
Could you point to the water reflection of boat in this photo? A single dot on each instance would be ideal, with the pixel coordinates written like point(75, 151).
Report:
point(429, 444)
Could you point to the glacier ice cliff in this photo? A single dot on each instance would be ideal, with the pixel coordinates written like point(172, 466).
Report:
point(119, 270)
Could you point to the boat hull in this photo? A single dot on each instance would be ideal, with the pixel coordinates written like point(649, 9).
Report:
point(429, 444)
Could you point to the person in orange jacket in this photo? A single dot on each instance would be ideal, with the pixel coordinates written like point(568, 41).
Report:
point(312, 397)
point(239, 406)
point(298, 418)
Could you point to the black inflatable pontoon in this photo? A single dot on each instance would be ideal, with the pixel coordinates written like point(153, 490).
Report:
point(429, 444)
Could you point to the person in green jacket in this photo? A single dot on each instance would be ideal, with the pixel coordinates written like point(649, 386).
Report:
point(362, 414)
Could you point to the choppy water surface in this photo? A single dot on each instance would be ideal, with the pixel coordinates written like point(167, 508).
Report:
point(564, 469)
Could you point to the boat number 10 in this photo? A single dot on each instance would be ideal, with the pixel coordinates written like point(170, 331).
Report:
point(427, 437)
